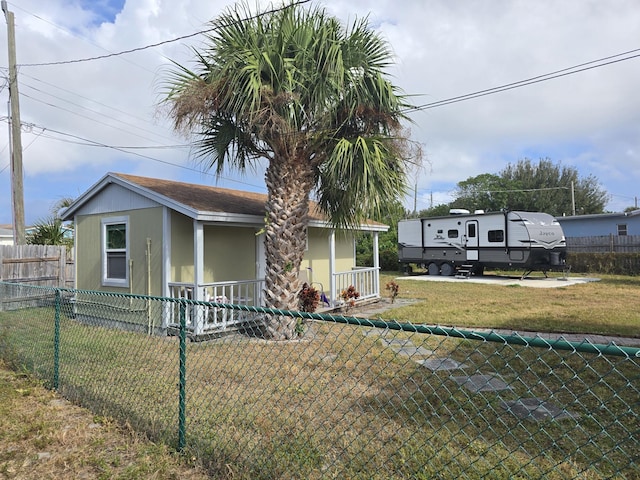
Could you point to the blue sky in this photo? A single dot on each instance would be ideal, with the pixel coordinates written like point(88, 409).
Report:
point(104, 10)
point(588, 120)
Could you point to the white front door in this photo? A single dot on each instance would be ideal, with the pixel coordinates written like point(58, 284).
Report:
point(472, 241)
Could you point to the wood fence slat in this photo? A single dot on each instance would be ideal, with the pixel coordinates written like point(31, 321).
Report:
point(45, 265)
point(31, 260)
point(604, 244)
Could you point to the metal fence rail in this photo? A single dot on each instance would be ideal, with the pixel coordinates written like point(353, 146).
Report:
point(353, 398)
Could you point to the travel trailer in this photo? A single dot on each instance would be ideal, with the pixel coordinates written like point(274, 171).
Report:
point(463, 243)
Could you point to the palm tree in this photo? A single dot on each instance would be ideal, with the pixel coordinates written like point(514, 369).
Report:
point(295, 87)
point(52, 230)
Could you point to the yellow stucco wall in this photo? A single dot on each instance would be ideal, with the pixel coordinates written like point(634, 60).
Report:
point(229, 253)
point(181, 248)
point(317, 256)
point(142, 224)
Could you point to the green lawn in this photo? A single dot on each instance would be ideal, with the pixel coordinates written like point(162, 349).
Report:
point(343, 403)
point(610, 306)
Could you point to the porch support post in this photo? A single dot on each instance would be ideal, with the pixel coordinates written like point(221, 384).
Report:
point(166, 264)
point(198, 272)
point(376, 264)
point(332, 268)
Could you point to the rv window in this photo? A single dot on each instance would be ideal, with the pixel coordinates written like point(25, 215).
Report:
point(622, 229)
point(471, 230)
point(452, 234)
point(496, 235)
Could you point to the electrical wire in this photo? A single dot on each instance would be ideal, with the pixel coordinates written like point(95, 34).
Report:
point(75, 34)
point(529, 81)
point(93, 118)
point(158, 44)
point(94, 143)
point(77, 95)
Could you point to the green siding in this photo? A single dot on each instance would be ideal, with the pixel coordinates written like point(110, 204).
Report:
point(142, 224)
point(88, 252)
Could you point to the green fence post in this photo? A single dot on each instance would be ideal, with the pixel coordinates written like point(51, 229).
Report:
point(56, 342)
point(183, 379)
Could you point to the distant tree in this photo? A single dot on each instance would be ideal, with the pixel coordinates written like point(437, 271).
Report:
point(487, 192)
point(436, 211)
point(391, 214)
point(546, 187)
point(630, 209)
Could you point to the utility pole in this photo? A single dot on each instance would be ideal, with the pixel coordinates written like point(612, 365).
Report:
point(17, 189)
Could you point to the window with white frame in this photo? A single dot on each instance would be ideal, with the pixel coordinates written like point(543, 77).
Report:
point(115, 253)
point(622, 229)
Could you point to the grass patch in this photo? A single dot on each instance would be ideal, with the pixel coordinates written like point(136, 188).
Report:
point(43, 436)
point(341, 403)
point(603, 307)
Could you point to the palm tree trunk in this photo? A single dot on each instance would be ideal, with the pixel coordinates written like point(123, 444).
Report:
point(289, 182)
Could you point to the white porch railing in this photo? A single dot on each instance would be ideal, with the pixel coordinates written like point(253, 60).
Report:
point(203, 318)
point(366, 280)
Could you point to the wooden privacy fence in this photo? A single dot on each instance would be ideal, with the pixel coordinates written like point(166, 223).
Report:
point(604, 244)
point(42, 265)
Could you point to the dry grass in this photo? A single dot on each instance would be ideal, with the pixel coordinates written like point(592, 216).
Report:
point(43, 436)
point(608, 307)
point(338, 403)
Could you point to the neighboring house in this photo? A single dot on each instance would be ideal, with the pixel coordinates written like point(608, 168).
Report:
point(170, 239)
point(6, 235)
point(601, 224)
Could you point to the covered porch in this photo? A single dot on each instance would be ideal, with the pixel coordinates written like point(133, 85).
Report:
point(328, 265)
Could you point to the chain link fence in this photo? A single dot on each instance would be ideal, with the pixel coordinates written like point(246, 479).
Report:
point(352, 398)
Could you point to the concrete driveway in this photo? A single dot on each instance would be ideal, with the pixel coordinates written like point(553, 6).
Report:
point(537, 280)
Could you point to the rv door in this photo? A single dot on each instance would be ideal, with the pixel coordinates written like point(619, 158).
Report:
point(472, 242)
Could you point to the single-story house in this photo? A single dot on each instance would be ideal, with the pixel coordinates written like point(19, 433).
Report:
point(164, 238)
point(6, 235)
point(626, 223)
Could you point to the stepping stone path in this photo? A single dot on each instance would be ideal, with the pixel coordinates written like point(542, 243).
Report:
point(525, 408)
point(537, 409)
point(437, 364)
point(482, 383)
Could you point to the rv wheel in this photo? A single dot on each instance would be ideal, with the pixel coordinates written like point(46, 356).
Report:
point(433, 269)
point(447, 269)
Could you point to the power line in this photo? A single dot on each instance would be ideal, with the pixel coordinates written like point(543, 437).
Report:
point(529, 81)
point(158, 44)
point(71, 32)
point(77, 95)
point(92, 117)
point(93, 143)
point(520, 190)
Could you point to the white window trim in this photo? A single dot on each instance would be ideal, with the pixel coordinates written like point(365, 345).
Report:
point(114, 282)
point(622, 227)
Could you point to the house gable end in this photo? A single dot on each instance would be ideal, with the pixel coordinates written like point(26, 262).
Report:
point(115, 198)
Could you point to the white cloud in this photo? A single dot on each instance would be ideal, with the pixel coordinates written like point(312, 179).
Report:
point(443, 49)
